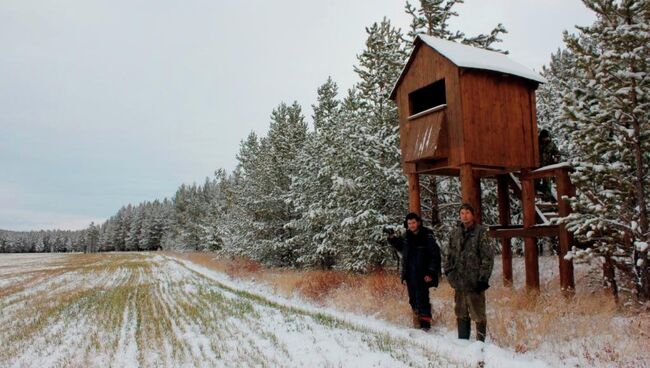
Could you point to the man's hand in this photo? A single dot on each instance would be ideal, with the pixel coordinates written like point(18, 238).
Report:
point(428, 278)
point(389, 231)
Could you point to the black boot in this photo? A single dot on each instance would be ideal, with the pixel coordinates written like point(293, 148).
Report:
point(481, 330)
point(425, 323)
point(464, 328)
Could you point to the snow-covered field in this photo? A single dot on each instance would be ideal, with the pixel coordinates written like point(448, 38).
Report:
point(151, 310)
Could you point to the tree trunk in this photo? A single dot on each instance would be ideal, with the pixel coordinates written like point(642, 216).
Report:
point(435, 205)
point(609, 275)
point(642, 269)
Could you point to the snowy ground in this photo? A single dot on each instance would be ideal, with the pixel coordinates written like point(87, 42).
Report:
point(128, 310)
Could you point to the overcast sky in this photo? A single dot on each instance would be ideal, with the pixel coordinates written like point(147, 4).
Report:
point(104, 103)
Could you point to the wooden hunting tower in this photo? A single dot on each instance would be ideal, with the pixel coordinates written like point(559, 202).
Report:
point(470, 112)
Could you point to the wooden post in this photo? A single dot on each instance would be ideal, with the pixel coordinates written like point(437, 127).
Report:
point(414, 193)
point(504, 219)
point(530, 243)
point(470, 187)
point(564, 188)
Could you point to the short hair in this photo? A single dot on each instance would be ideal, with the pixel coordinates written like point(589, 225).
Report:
point(413, 216)
point(467, 206)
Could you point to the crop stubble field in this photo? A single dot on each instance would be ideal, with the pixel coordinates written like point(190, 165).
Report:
point(195, 310)
point(128, 309)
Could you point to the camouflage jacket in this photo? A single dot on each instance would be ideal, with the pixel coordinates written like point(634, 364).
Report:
point(469, 258)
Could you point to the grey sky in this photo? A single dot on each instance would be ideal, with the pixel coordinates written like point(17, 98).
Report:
point(104, 103)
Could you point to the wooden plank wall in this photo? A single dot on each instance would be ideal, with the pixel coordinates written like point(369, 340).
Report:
point(427, 67)
point(423, 135)
point(499, 122)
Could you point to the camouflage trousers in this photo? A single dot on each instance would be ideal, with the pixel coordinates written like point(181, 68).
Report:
point(470, 305)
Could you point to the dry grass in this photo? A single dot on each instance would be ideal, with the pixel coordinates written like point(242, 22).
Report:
point(589, 325)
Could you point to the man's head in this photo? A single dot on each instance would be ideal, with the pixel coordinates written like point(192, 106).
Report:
point(544, 135)
point(467, 214)
point(413, 222)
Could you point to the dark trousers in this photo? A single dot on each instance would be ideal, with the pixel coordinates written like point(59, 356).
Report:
point(419, 297)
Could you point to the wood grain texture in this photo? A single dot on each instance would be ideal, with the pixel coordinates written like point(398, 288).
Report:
point(427, 67)
point(499, 123)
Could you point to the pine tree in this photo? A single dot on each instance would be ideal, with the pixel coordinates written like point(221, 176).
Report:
point(266, 169)
point(247, 225)
point(369, 184)
point(132, 240)
point(433, 16)
point(91, 238)
point(285, 140)
point(559, 82)
point(313, 182)
point(609, 112)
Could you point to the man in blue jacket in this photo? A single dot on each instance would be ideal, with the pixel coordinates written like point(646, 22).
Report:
point(420, 266)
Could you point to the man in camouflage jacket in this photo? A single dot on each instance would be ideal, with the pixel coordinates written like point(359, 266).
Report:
point(468, 262)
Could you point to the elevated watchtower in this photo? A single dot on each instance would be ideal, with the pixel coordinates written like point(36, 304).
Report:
point(470, 112)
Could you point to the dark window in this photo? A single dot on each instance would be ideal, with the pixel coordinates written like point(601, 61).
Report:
point(428, 97)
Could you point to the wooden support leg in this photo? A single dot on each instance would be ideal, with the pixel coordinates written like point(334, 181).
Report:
point(414, 193)
point(470, 186)
point(530, 243)
point(564, 188)
point(504, 219)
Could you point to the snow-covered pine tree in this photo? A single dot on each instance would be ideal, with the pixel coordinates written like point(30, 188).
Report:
point(169, 236)
point(433, 16)
point(610, 142)
point(267, 167)
point(215, 211)
point(145, 230)
point(91, 238)
point(285, 140)
point(132, 240)
point(247, 225)
point(189, 206)
point(371, 178)
point(311, 186)
point(225, 210)
point(559, 82)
